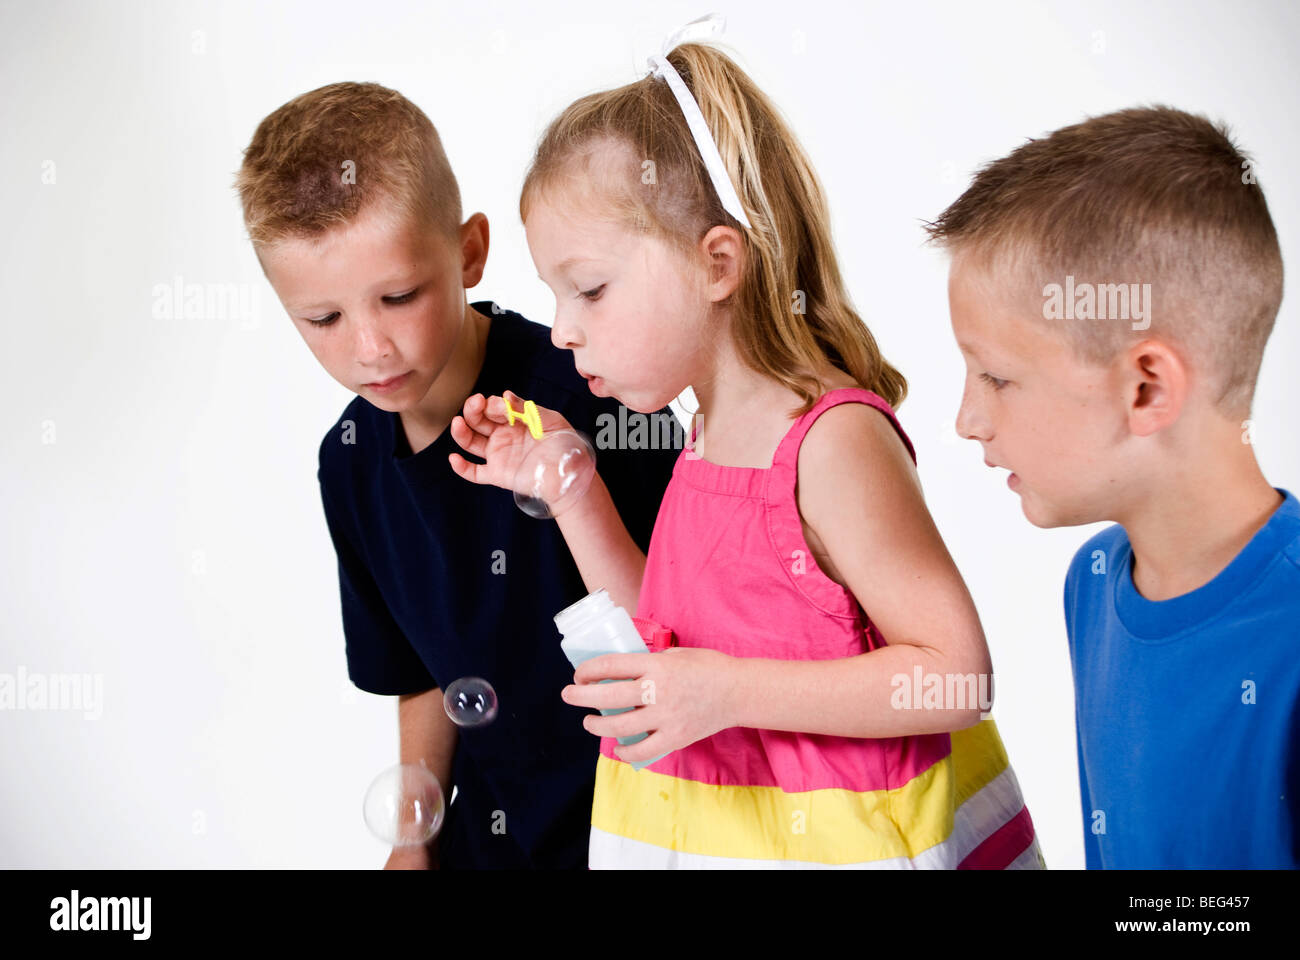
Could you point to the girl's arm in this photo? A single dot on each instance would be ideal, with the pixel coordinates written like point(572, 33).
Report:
point(860, 493)
point(604, 552)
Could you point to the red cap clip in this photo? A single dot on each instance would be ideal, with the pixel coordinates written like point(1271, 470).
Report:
point(656, 636)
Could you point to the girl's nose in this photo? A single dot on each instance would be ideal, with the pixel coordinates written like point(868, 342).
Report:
point(565, 333)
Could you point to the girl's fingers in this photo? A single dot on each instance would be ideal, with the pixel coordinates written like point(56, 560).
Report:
point(646, 749)
point(495, 407)
point(475, 414)
point(467, 439)
point(464, 468)
point(603, 696)
point(614, 666)
point(627, 724)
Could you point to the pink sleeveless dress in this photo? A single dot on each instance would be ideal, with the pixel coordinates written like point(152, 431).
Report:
point(728, 568)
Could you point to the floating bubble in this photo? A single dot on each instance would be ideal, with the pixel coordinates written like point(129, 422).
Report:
point(554, 473)
point(404, 805)
point(470, 702)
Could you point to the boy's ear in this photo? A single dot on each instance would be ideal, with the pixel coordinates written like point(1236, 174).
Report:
point(473, 249)
point(1156, 386)
point(723, 250)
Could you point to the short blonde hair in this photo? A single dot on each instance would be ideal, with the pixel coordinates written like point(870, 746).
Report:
point(323, 157)
point(1145, 195)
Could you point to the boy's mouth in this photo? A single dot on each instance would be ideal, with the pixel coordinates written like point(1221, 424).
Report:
point(1012, 480)
point(392, 383)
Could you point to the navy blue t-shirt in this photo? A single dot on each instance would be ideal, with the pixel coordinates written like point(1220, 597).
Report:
point(441, 578)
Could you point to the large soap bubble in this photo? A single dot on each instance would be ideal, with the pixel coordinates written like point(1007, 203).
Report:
point(554, 474)
point(404, 805)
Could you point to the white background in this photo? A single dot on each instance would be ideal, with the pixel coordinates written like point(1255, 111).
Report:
point(171, 538)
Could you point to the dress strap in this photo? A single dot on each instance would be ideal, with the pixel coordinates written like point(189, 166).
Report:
point(785, 528)
point(788, 451)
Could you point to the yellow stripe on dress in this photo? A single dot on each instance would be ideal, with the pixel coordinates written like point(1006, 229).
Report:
point(832, 826)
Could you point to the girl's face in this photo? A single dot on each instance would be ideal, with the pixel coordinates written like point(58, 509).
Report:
point(631, 308)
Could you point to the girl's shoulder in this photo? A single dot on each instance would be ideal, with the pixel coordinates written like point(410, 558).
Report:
point(859, 431)
point(848, 420)
point(848, 474)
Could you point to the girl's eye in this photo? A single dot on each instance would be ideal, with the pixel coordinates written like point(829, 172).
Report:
point(593, 294)
point(402, 297)
point(994, 381)
point(324, 321)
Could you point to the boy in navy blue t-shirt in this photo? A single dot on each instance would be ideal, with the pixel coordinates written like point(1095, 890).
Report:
point(355, 216)
point(1112, 289)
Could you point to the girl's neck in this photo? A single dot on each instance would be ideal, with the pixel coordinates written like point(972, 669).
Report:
point(743, 414)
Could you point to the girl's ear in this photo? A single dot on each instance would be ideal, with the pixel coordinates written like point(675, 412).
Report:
point(723, 250)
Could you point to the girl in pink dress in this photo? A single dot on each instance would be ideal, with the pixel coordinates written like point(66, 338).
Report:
point(825, 702)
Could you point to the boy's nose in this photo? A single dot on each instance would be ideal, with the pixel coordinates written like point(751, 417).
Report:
point(372, 343)
point(971, 423)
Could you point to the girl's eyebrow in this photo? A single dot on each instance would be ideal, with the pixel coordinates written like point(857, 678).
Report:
point(568, 262)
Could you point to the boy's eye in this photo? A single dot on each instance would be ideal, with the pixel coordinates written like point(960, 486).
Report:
point(593, 294)
point(393, 300)
point(996, 383)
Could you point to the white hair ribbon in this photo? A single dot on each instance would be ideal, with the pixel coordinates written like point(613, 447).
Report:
point(705, 28)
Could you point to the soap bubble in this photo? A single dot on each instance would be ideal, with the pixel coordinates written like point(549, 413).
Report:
point(470, 702)
point(404, 805)
point(554, 473)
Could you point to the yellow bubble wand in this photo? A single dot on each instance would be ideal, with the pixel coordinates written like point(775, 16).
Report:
point(531, 418)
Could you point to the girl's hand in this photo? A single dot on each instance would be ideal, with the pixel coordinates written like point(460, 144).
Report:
point(484, 430)
point(681, 695)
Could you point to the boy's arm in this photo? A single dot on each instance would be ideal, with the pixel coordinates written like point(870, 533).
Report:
point(380, 660)
point(1091, 846)
point(427, 736)
point(1091, 843)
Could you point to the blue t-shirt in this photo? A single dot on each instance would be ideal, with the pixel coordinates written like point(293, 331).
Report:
point(442, 578)
point(1188, 709)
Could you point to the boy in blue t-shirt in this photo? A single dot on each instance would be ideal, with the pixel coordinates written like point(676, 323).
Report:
point(1112, 288)
point(355, 215)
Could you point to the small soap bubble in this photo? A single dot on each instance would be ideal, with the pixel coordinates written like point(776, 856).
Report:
point(554, 473)
point(470, 702)
point(404, 805)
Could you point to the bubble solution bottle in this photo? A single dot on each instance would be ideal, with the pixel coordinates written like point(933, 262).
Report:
point(594, 626)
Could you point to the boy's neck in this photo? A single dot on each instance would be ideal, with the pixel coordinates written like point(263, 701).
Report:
point(425, 422)
point(1195, 522)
